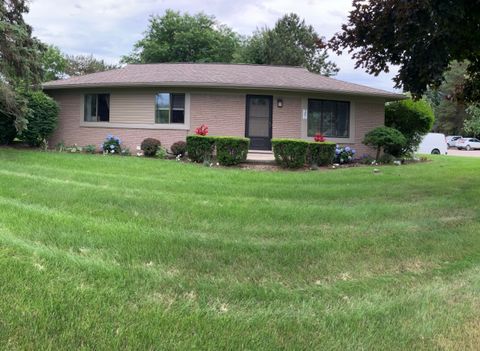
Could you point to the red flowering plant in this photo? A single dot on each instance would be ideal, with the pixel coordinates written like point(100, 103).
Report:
point(319, 138)
point(202, 130)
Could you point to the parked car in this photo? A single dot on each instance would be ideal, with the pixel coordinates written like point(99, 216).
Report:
point(433, 143)
point(452, 140)
point(468, 144)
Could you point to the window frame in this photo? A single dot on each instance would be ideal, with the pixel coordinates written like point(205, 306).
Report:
point(170, 108)
point(97, 119)
point(349, 117)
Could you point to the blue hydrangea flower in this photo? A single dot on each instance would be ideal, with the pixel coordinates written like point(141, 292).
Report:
point(337, 151)
point(112, 147)
point(347, 149)
point(109, 136)
point(354, 151)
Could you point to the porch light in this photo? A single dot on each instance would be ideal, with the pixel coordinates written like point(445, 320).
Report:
point(279, 103)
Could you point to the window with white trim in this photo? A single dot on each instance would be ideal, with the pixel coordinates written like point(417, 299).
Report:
point(170, 108)
point(329, 117)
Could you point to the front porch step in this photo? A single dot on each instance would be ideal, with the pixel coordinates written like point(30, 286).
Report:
point(260, 151)
point(260, 156)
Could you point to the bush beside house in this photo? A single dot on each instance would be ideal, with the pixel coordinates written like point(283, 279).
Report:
point(290, 153)
point(413, 119)
point(42, 118)
point(321, 153)
point(231, 150)
point(295, 153)
point(150, 146)
point(200, 148)
point(179, 148)
point(390, 139)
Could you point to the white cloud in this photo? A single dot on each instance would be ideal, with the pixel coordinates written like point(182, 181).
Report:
point(109, 28)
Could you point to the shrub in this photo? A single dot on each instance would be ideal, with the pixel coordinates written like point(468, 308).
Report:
point(111, 145)
point(344, 154)
point(200, 148)
point(161, 153)
point(231, 150)
point(290, 153)
point(411, 118)
point(390, 139)
point(42, 118)
point(8, 132)
point(90, 149)
point(202, 130)
point(179, 148)
point(321, 153)
point(150, 146)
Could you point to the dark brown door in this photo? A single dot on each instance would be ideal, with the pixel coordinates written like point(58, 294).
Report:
point(259, 121)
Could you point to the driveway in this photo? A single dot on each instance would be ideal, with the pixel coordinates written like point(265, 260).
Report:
point(472, 153)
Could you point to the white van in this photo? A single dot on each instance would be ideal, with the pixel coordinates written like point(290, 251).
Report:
point(433, 143)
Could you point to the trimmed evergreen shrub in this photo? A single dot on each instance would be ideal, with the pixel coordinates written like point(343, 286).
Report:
point(231, 150)
point(150, 146)
point(179, 148)
point(8, 132)
point(200, 148)
point(390, 139)
point(42, 118)
point(321, 153)
point(290, 153)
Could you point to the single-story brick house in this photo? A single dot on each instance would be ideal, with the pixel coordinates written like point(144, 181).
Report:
point(168, 101)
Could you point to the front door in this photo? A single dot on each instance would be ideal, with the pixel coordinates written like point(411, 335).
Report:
point(259, 121)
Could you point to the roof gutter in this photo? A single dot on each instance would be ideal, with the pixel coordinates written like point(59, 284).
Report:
point(387, 96)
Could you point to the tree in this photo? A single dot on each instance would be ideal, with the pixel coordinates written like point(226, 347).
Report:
point(421, 37)
point(412, 118)
point(292, 43)
point(471, 124)
point(78, 65)
point(57, 65)
point(54, 64)
point(174, 37)
point(448, 109)
point(20, 66)
point(390, 139)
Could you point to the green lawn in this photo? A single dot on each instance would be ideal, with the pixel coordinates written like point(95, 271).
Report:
point(130, 253)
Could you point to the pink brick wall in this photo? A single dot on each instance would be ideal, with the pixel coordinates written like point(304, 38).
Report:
point(223, 113)
point(368, 115)
point(286, 121)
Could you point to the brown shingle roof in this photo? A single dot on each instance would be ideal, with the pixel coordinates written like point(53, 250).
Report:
point(219, 75)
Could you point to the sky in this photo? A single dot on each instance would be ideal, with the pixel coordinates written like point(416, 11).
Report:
point(108, 29)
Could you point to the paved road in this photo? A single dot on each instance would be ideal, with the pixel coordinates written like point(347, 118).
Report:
point(472, 153)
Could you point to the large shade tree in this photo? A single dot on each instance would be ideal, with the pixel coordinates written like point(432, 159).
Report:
point(176, 37)
point(450, 111)
point(20, 64)
point(421, 37)
point(290, 42)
